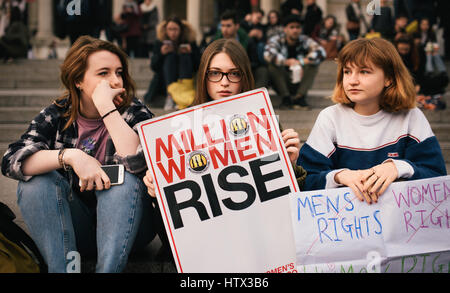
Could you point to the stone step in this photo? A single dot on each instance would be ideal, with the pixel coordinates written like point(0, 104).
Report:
point(52, 82)
point(53, 66)
point(136, 64)
point(35, 74)
point(22, 108)
point(10, 97)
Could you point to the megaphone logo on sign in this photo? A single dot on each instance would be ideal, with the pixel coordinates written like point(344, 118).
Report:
point(238, 125)
point(198, 162)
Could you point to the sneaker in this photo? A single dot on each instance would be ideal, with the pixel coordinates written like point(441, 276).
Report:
point(169, 105)
point(300, 104)
point(286, 103)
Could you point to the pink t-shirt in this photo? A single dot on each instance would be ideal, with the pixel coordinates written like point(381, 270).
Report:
point(92, 137)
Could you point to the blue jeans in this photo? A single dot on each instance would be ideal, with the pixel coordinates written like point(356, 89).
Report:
point(432, 61)
point(60, 223)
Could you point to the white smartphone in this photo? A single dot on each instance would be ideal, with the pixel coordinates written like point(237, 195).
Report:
point(115, 173)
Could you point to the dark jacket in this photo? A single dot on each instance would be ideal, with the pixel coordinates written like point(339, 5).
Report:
point(313, 17)
point(15, 41)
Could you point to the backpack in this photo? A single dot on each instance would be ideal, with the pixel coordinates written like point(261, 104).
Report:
point(18, 252)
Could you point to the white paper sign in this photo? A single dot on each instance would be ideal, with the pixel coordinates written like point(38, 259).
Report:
point(223, 179)
point(408, 230)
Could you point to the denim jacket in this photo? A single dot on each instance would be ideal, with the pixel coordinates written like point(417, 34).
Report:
point(46, 133)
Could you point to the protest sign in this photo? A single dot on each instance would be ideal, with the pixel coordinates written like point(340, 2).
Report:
point(222, 178)
point(408, 230)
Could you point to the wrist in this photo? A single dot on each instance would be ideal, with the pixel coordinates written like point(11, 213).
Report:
point(106, 109)
point(337, 176)
point(103, 107)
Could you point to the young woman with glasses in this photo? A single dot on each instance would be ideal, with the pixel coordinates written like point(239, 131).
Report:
point(226, 71)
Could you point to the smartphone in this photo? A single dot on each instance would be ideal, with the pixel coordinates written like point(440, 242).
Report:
point(167, 42)
point(184, 45)
point(115, 173)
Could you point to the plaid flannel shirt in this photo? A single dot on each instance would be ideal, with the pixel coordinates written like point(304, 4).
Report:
point(46, 133)
point(276, 50)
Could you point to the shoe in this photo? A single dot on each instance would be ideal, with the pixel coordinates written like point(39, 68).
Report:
point(300, 104)
point(169, 104)
point(286, 103)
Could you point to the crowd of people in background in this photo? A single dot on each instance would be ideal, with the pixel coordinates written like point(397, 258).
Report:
point(409, 24)
point(290, 67)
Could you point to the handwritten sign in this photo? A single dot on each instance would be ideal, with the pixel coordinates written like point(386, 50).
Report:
point(223, 178)
point(335, 232)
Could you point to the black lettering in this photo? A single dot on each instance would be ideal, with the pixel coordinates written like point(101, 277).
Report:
point(233, 186)
point(261, 179)
point(212, 195)
point(194, 202)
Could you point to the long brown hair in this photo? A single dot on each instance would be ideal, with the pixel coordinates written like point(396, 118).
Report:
point(74, 67)
point(239, 57)
point(399, 95)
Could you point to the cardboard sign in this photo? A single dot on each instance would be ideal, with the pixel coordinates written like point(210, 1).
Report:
point(408, 230)
point(222, 178)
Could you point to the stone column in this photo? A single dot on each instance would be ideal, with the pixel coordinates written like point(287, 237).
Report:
point(117, 7)
point(44, 34)
point(161, 12)
point(193, 16)
point(324, 6)
point(267, 5)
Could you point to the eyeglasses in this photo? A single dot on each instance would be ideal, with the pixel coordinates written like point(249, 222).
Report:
point(216, 76)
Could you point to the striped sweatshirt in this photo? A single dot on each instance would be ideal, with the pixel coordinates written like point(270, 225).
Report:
point(343, 139)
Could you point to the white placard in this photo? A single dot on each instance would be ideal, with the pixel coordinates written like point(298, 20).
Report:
point(223, 179)
point(408, 230)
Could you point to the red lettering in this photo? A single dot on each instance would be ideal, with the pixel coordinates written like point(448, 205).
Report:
point(172, 166)
point(185, 142)
point(224, 130)
point(193, 144)
point(241, 149)
point(264, 123)
point(227, 150)
point(270, 144)
point(209, 139)
point(159, 144)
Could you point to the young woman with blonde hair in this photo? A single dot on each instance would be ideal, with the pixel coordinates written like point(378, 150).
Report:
point(374, 135)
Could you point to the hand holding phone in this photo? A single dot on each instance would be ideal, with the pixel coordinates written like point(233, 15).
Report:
point(185, 48)
point(115, 173)
point(167, 47)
